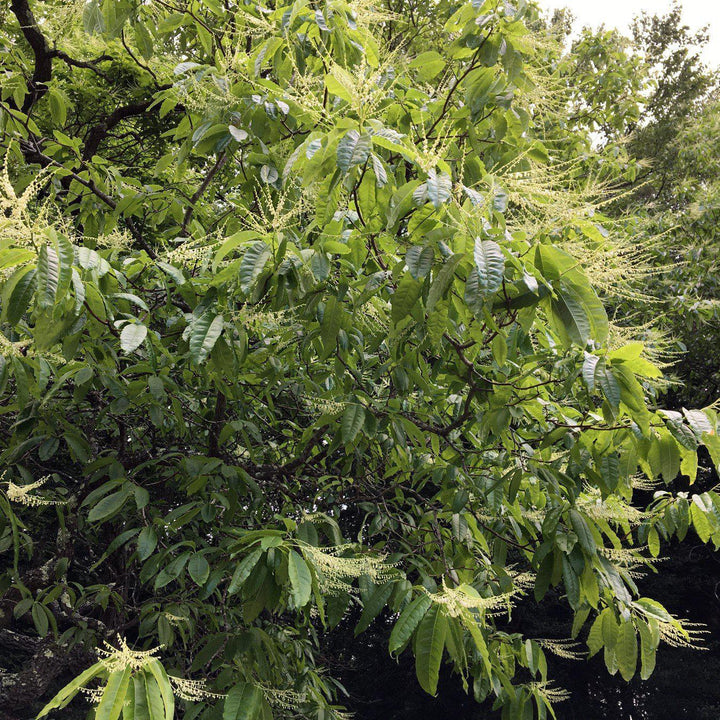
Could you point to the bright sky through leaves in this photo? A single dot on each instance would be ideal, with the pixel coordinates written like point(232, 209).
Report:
point(619, 13)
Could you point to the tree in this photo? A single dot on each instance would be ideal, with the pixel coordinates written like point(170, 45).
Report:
point(296, 332)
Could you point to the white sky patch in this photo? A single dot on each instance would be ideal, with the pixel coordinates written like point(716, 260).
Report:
point(620, 13)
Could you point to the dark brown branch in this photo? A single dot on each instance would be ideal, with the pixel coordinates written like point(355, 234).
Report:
point(219, 164)
point(88, 64)
point(99, 132)
point(39, 45)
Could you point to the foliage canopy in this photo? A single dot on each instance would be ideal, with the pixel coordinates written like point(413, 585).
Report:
point(298, 330)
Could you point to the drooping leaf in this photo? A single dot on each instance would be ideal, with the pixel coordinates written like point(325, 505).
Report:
point(429, 646)
point(253, 263)
point(407, 622)
point(243, 702)
point(352, 421)
point(300, 579)
point(204, 334)
point(490, 266)
point(353, 149)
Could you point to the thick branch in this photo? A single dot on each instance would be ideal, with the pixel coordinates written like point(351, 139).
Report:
point(43, 54)
point(99, 132)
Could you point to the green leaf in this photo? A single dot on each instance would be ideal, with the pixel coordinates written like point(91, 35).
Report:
point(352, 421)
point(579, 315)
point(419, 261)
point(409, 619)
point(204, 334)
point(648, 649)
point(243, 570)
point(146, 543)
point(353, 149)
point(335, 87)
point(664, 457)
point(442, 280)
point(252, 264)
point(595, 639)
point(373, 605)
point(198, 569)
point(48, 276)
point(585, 536)
point(331, 324)
point(429, 646)
point(233, 242)
point(608, 384)
point(243, 702)
point(163, 683)
point(490, 266)
point(300, 579)
point(141, 711)
point(405, 297)
point(653, 609)
point(72, 688)
point(148, 700)
point(588, 371)
point(17, 293)
point(113, 697)
point(428, 65)
point(439, 188)
point(132, 337)
point(109, 505)
point(626, 650)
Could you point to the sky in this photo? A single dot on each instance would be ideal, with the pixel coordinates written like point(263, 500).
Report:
point(619, 13)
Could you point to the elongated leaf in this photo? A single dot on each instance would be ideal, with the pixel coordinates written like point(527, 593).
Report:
point(352, 421)
point(204, 334)
point(490, 266)
point(300, 579)
point(109, 505)
point(626, 650)
point(66, 257)
point(17, 293)
point(146, 543)
point(252, 264)
point(429, 646)
point(580, 526)
point(439, 188)
point(233, 242)
point(141, 711)
point(608, 384)
point(648, 649)
point(163, 683)
point(48, 275)
point(405, 297)
point(72, 688)
point(113, 697)
point(407, 622)
point(243, 570)
point(373, 605)
point(331, 323)
point(588, 370)
point(14, 256)
point(595, 639)
point(353, 149)
point(579, 315)
point(442, 280)
point(243, 702)
point(419, 261)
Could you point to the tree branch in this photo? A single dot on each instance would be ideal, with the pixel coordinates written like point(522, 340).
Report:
point(43, 54)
